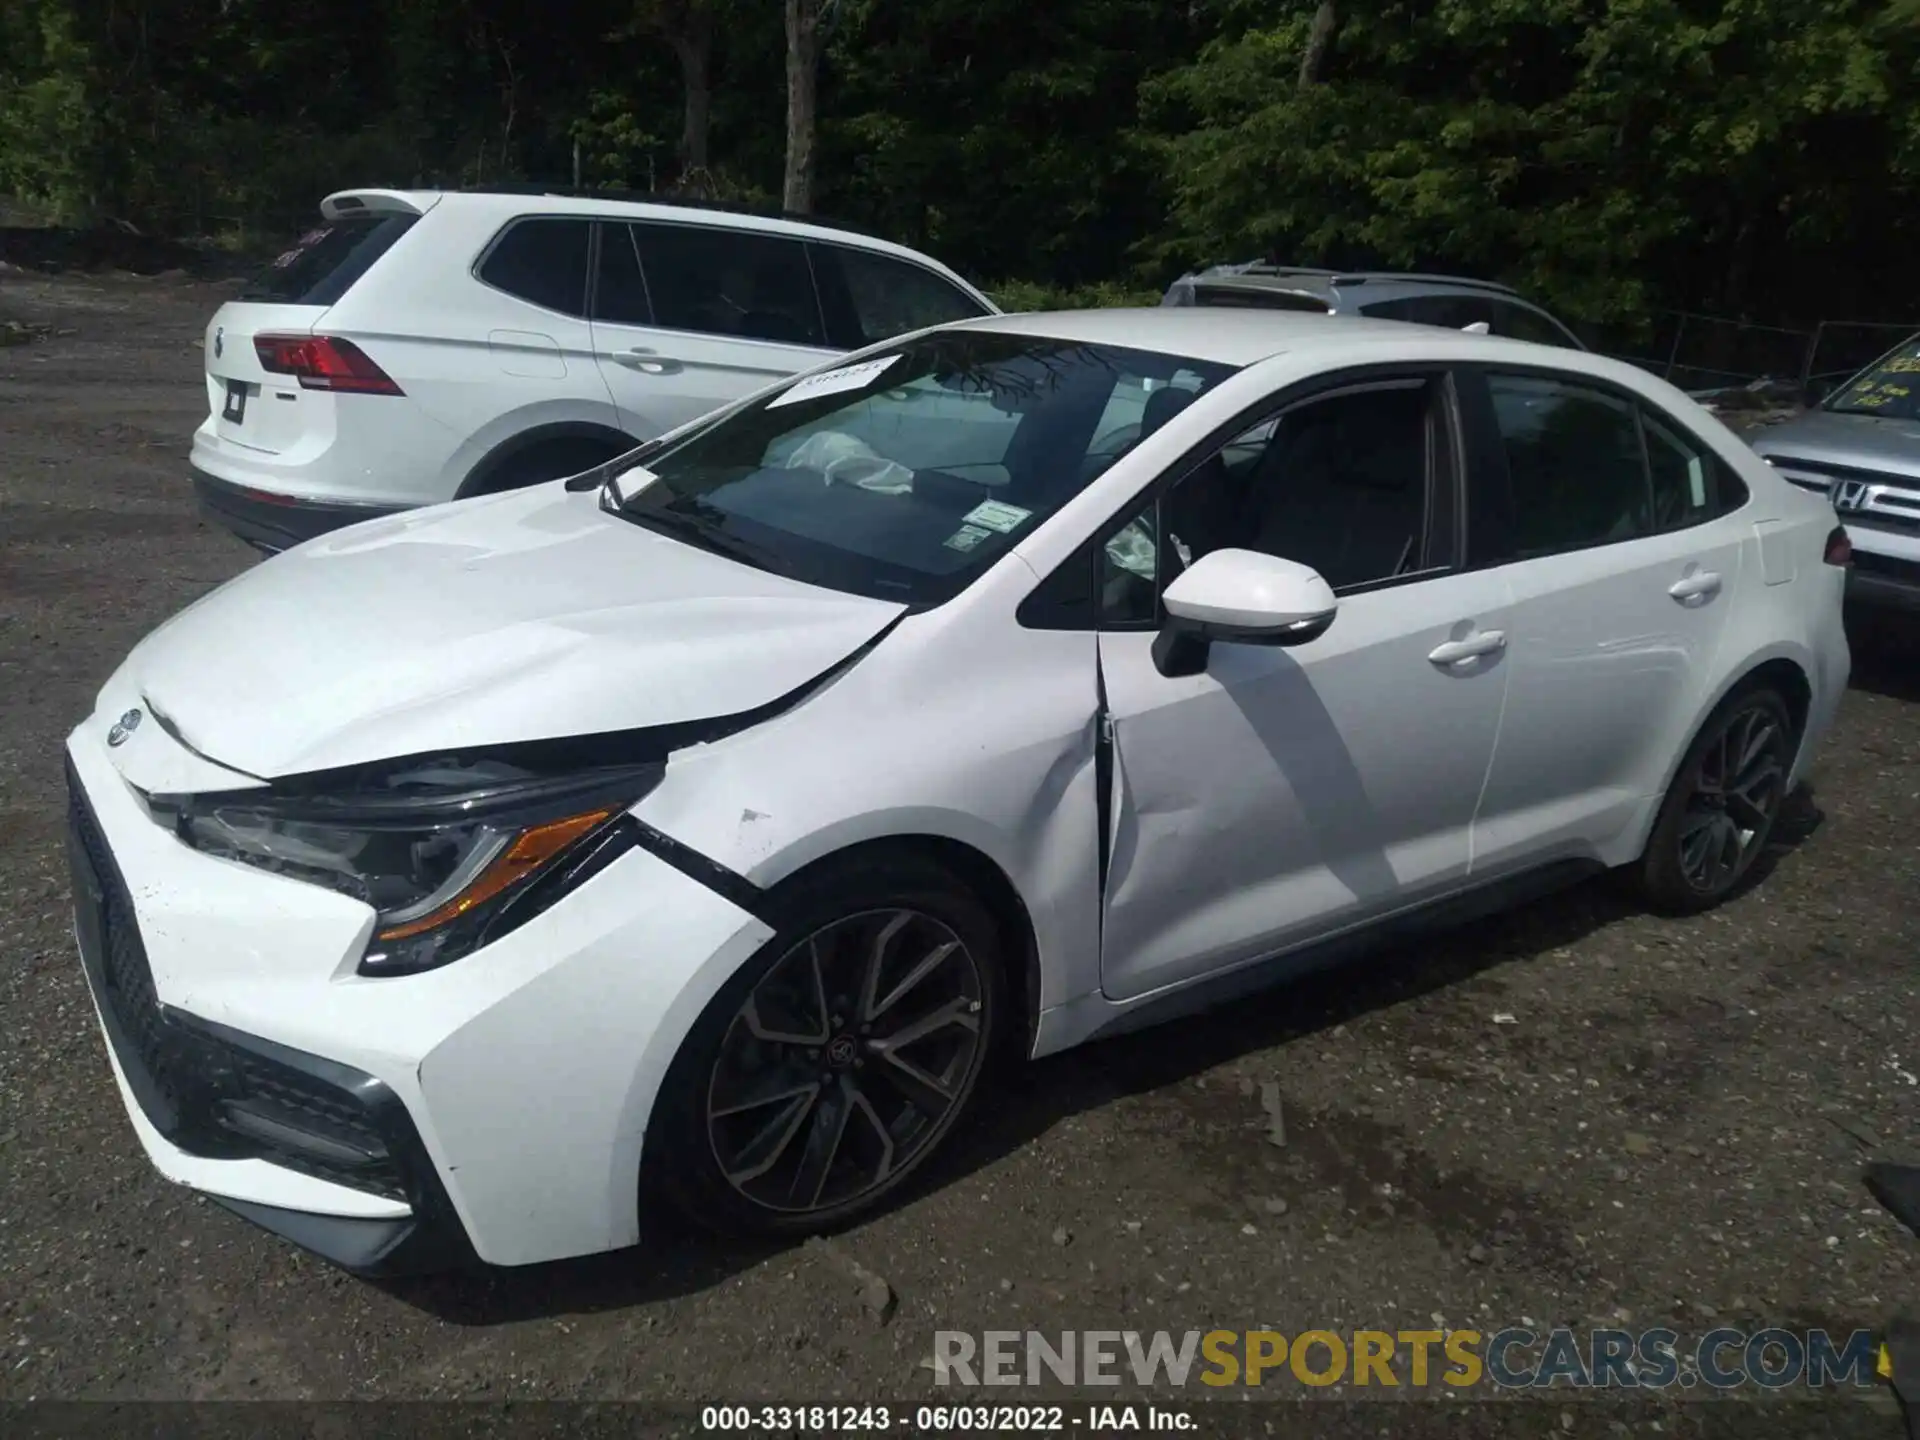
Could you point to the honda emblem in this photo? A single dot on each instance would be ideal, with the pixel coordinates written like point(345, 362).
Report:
point(1850, 495)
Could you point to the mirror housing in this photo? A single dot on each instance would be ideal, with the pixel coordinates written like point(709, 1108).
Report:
point(1242, 597)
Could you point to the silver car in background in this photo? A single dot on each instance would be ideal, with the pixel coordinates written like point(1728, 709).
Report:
point(1449, 302)
point(1861, 447)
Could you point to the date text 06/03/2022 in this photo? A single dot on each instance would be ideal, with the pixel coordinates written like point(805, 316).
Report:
point(943, 1419)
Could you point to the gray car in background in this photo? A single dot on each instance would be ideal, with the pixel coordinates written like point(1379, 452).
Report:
point(1451, 302)
point(1861, 447)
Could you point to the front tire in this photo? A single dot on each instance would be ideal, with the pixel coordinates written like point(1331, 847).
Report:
point(1722, 805)
point(839, 1058)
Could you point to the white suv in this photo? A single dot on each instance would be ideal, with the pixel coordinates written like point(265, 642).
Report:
point(422, 346)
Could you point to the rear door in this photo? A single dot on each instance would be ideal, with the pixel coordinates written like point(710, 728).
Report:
point(267, 413)
point(687, 318)
point(1610, 520)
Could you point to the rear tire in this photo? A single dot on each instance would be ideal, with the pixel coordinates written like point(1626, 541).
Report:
point(1722, 805)
point(798, 1104)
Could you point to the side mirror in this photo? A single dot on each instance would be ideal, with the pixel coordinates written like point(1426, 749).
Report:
point(1243, 597)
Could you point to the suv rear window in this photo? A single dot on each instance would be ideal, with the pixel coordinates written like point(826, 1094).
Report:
point(324, 263)
point(1448, 312)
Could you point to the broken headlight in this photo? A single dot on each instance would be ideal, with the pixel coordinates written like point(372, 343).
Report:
point(442, 850)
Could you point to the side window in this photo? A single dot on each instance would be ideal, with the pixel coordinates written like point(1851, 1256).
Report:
point(619, 290)
point(1690, 482)
point(1520, 322)
point(543, 262)
point(1574, 463)
point(1340, 484)
point(890, 297)
point(1448, 312)
point(730, 282)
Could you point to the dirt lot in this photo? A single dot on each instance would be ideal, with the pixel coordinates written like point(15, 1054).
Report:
point(1668, 1131)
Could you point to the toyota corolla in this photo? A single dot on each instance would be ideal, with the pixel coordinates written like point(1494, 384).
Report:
point(711, 821)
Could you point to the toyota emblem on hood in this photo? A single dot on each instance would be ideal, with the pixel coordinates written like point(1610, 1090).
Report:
point(219, 341)
point(123, 727)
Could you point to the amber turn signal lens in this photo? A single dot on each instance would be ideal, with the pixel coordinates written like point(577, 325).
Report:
point(526, 854)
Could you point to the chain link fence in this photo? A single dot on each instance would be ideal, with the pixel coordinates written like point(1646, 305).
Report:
point(1711, 355)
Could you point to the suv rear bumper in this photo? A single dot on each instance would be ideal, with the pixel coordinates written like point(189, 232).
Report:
point(272, 522)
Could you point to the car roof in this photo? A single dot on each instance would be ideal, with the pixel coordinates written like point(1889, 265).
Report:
point(500, 204)
point(1223, 336)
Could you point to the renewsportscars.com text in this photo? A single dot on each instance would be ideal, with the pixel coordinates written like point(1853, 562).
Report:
point(1512, 1358)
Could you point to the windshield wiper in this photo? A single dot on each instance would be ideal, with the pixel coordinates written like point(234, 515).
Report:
point(704, 535)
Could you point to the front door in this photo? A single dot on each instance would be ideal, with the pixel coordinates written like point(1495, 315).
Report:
point(1287, 794)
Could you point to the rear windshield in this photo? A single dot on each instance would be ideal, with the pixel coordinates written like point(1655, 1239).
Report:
point(1250, 298)
point(322, 264)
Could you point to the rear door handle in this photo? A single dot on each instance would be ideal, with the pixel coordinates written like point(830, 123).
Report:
point(1455, 652)
point(646, 361)
point(1701, 586)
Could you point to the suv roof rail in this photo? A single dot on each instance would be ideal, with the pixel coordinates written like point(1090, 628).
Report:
point(1359, 277)
point(1275, 269)
point(684, 202)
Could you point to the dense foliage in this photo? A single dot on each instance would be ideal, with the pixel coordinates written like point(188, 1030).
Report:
point(1753, 157)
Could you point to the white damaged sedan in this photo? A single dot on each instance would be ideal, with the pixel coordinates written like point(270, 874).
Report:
point(711, 820)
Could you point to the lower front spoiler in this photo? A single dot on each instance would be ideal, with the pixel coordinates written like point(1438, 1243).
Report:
point(219, 1110)
point(1883, 582)
point(272, 522)
point(372, 1249)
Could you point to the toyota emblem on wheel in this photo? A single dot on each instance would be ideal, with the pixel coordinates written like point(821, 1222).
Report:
point(123, 727)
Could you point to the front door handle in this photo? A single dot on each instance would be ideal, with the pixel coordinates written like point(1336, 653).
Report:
point(1702, 585)
point(1457, 652)
point(646, 361)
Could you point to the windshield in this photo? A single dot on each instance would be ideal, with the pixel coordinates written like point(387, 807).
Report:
point(1886, 387)
point(905, 476)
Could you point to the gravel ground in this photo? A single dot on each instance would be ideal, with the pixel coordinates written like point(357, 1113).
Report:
point(1575, 1114)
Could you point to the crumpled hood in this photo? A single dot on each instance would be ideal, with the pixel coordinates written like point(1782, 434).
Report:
point(1867, 442)
point(525, 616)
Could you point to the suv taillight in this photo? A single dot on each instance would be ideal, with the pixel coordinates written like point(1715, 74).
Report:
point(322, 363)
point(1839, 547)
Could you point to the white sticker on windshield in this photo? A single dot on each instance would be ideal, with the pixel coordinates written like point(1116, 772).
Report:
point(1696, 482)
point(629, 483)
point(835, 382)
point(967, 537)
point(997, 515)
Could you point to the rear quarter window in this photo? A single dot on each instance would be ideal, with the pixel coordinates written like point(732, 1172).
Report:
point(542, 261)
point(322, 265)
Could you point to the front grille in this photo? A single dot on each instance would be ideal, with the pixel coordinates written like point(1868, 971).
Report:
point(1897, 521)
point(1831, 471)
point(209, 1090)
point(1872, 499)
